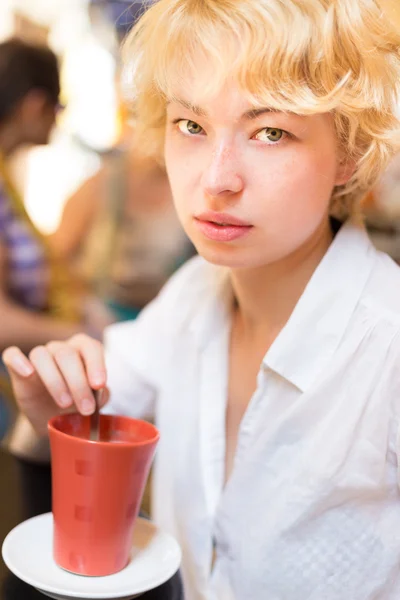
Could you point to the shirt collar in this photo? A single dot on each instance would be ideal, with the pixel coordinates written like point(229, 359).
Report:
point(211, 306)
point(321, 316)
point(319, 320)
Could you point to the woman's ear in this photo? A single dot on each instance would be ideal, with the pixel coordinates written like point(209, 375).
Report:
point(345, 171)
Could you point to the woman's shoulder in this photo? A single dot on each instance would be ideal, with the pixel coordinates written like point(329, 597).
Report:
point(196, 276)
point(165, 326)
point(196, 288)
point(189, 291)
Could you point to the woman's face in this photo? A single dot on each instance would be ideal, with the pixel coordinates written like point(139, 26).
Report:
point(250, 186)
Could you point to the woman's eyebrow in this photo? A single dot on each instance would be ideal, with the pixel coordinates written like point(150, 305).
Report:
point(252, 113)
point(192, 107)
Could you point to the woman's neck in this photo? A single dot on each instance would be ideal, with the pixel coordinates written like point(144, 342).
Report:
point(265, 297)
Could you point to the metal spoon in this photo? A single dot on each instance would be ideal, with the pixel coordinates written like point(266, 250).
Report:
point(95, 418)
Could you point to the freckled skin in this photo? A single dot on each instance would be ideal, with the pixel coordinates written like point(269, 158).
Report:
point(283, 189)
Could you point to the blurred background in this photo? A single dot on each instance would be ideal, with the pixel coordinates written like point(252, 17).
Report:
point(85, 35)
point(88, 232)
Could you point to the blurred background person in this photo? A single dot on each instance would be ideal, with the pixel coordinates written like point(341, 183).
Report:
point(39, 298)
point(120, 231)
point(34, 305)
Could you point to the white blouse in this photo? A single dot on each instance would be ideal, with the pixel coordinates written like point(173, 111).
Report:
point(312, 508)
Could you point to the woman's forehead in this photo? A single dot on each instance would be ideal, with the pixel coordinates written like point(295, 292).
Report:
point(198, 79)
point(233, 102)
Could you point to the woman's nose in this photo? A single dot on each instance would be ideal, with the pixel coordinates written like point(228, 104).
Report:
point(222, 175)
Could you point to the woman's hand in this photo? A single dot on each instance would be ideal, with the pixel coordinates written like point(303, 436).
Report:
point(56, 378)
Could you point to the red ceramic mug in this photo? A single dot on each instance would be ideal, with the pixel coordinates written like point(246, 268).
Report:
point(97, 488)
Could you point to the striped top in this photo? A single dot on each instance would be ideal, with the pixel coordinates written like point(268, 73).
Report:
point(27, 272)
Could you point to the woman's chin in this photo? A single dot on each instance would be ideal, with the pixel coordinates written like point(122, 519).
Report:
point(227, 256)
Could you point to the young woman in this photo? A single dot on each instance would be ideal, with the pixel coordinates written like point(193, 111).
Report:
point(271, 362)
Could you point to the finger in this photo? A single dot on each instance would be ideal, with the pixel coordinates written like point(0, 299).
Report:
point(52, 379)
point(29, 391)
point(17, 362)
point(69, 362)
point(103, 397)
point(92, 353)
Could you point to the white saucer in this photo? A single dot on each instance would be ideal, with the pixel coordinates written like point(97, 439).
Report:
point(27, 552)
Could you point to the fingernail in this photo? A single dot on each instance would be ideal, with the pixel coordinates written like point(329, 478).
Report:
point(65, 400)
point(22, 366)
point(87, 407)
point(98, 379)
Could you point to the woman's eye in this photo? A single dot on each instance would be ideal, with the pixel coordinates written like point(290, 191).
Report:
point(189, 127)
point(270, 134)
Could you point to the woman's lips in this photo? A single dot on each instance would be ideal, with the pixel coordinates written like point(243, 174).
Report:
point(221, 227)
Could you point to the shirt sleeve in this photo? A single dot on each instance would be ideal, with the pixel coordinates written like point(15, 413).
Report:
point(138, 352)
point(130, 348)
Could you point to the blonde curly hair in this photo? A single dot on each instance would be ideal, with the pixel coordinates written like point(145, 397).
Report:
point(301, 56)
